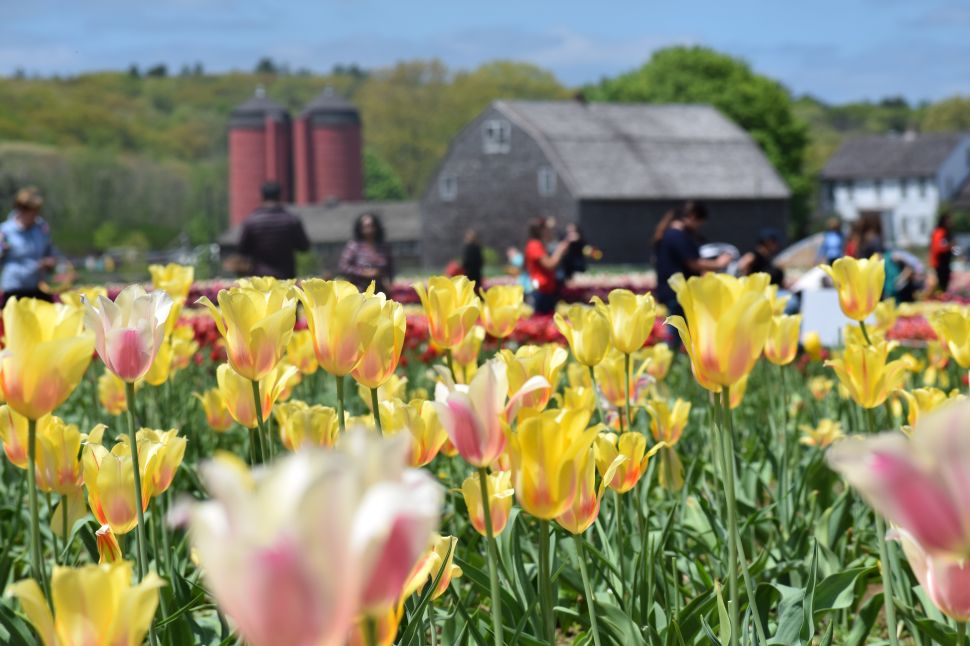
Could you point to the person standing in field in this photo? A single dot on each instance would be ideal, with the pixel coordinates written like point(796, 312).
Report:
point(941, 251)
point(832, 242)
point(677, 251)
point(271, 236)
point(27, 253)
point(472, 260)
point(541, 264)
point(367, 257)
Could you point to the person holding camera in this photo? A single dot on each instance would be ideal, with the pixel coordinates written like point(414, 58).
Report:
point(27, 253)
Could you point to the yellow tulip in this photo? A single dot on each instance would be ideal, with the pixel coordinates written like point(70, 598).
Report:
point(859, 282)
point(500, 494)
point(465, 355)
point(439, 558)
point(823, 435)
point(161, 367)
point(342, 321)
point(216, 412)
point(381, 355)
point(924, 400)
point(394, 388)
point(385, 626)
point(782, 343)
point(502, 307)
point(46, 355)
point(725, 325)
point(110, 481)
point(531, 361)
point(813, 345)
point(184, 347)
point(303, 425)
point(175, 279)
point(75, 297)
point(852, 333)
point(630, 445)
point(13, 434)
point(586, 505)
point(577, 376)
point(580, 398)
point(451, 307)
point(667, 422)
point(588, 332)
point(160, 453)
point(737, 393)
point(885, 314)
point(299, 352)
point(94, 605)
point(658, 358)
point(631, 318)
point(778, 303)
point(952, 326)
point(611, 379)
point(237, 392)
point(545, 453)
point(58, 451)
point(820, 387)
point(109, 551)
point(419, 418)
point(256, 326)
point(866, 374)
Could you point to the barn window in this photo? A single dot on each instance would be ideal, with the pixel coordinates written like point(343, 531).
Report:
point(547, 181)
point(448, 188)
point(496, 136)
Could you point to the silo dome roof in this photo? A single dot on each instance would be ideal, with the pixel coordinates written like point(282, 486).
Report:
point(254, 111)
point(330, 104)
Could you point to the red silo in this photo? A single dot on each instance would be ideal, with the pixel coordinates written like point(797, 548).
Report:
point(259, 151)
point(329, 151)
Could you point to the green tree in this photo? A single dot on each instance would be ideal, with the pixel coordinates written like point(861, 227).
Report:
point(949, 115)
point(381, 183)
point(760, 105)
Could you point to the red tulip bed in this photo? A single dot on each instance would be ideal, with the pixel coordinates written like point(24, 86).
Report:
point(271, 464)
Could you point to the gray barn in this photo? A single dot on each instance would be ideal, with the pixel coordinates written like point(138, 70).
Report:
point(613, 168)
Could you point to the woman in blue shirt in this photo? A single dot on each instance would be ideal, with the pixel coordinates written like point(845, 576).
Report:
point(26, 250)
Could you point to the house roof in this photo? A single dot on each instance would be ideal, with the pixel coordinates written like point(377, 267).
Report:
point(891, 156)
point(636, 151)
point(961, 199)
point(334, 223)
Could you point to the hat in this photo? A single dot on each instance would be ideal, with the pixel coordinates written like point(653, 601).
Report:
point(771, 234)
point(28, 198)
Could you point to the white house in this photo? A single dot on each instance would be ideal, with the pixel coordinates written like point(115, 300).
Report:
point(903, 178)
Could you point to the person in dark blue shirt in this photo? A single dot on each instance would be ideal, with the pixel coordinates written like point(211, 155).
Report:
point(26, 251)
point(677, 251)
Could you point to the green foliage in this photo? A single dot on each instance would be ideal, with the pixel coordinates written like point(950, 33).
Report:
point(948, 115)
point(758, 104)
point(380, 181)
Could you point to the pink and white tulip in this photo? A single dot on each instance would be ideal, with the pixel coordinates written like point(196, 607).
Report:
point(919, 484)
point(129, 331)
point(476, 416)
point(945, 580)
point(295, 552)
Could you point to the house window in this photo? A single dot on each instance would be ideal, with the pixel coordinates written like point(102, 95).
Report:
point(968, 157)
point(830, 192)
point(496, 136)
point(903, 187)
point(922, 187)
point(448, 188)
point(848, 189)
point(547, 181)
point(877, 186)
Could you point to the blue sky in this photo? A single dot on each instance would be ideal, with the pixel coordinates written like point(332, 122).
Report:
point(836, 50)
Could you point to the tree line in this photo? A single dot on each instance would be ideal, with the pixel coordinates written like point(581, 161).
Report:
point(139, 156)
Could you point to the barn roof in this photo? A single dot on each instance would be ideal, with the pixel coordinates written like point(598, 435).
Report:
point(334, 223)
point(637, 151)
point(891, 156)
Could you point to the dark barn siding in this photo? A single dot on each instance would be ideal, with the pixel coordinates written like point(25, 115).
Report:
point(623, 229)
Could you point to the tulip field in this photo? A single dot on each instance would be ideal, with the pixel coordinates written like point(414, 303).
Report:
point(303, 464)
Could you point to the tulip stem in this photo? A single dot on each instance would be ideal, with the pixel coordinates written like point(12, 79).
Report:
point(885, 564)
point(629, 377)
point(545, 582)
point(596, 395)
point(142, 560)
point(341, 423)
point(587, 589)
point(65, 531)
point(265, 441)
point(36, 558)
point(451, 365)
point(962, 633)
point(376, 405)
point(370, 630)
point(492, 551)
point(865, 332)
point(731, 503)
point(618, 520)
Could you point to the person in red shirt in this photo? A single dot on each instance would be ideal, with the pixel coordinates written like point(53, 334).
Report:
point(541, 265)
point(941, 251)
